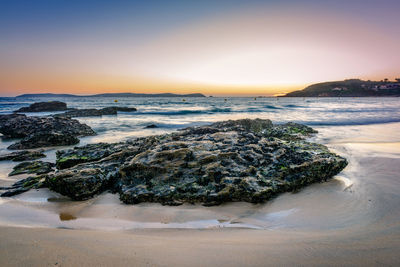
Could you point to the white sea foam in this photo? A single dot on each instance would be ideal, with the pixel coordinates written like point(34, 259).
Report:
point(346, 181)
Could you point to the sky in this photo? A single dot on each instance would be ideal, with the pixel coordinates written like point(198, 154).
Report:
point(212, 47)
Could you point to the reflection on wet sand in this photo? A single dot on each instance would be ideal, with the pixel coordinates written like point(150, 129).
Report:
point(67, 217)
point(361, 196)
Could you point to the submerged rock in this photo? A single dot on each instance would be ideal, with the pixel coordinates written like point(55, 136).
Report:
point(124, 109)
point(44, 106)
point(151, 126)
point(94, 112)
point(36, 167)
point(23, 155)
point(243, 160)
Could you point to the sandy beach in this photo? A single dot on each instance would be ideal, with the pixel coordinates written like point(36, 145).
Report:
point(216, 247)
point(351, 220)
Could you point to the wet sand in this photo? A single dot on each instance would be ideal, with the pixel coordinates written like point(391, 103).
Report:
point(350, 220)
point(218, 247)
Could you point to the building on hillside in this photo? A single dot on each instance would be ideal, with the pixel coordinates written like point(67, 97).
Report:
point(339, 89)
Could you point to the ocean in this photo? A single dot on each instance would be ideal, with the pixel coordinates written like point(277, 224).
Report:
point(170, 114)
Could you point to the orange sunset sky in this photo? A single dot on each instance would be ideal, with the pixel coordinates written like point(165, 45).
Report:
point(224, 48)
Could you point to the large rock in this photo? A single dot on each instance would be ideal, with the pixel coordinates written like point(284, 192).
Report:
point(94, 112)
point(44, 106)
point(43, 139)
point(83, 181)
point(243, 160)
point(88, 153)
point(23, 155)
point(42, 131)
point(20, 126)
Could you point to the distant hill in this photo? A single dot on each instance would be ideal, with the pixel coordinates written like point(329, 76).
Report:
point(113, 95)
point(349, 88)
point(46, 95)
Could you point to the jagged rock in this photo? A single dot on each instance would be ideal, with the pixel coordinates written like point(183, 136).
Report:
point(94, 112)
point(23, 185)
point(44, 106)
point(36, 167)
point(45, 140)
point(23, 155)
point(42, 131)
point(88, 153)
point(20, 126)
point(243, 160)
point(83, 181)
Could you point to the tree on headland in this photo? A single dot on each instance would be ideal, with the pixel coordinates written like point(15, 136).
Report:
point(386, 80)
point(398, 80)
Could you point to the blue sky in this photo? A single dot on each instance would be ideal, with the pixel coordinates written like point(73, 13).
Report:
point(61, 45)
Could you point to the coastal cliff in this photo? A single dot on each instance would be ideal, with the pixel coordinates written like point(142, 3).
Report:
point(349, 88)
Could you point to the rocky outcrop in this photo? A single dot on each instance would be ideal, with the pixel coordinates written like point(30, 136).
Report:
point(42, 131)
point(43, 139)
point(44, 106)
point(23, 185)
point(72, 112)
point(88, 153)
point(23, 155)
point(36, 167)
point(123, 109)
point(243, 160)
point(83, 181)
point(20, 126)
point(230, 161)
point(94, 112)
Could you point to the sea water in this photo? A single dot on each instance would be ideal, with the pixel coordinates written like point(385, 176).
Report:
point(169, 114)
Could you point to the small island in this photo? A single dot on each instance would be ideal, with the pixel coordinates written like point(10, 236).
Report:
point(350, 88)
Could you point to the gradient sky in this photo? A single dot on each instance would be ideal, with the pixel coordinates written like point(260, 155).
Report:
point(212, 47)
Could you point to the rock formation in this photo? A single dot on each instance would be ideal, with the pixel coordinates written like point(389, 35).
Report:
point(243, 160)
point(44, 106)
point(42, 131)
point(74, 113)
point(23, 155)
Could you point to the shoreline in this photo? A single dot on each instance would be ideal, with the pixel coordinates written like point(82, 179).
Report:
point(52, 207)
point(347, 222)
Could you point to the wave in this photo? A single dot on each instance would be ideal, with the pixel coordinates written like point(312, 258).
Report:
point(170, 113)
point(351, 122)
point(361, 110)
point(272, 107)
point(294, 106)
point(222, 110)
point(184, 112)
